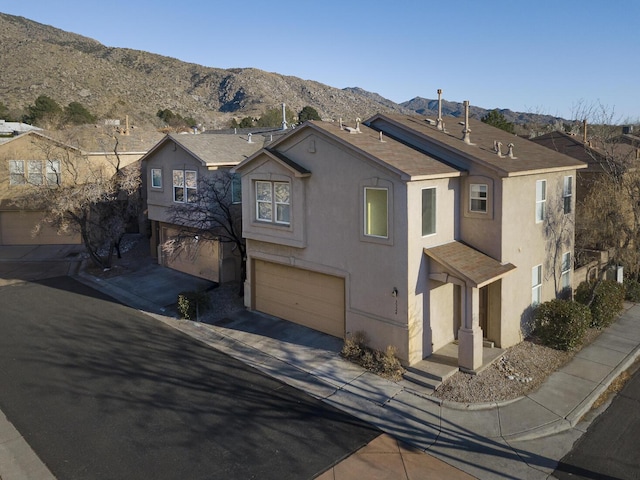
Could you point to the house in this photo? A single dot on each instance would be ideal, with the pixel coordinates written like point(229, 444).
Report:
point(174, 171)
point(418, 232)
point(11, 129)
point(35, 158)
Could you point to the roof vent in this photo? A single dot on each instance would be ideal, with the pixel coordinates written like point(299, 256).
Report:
point(466, 131)
point(497, 147)
point(440, 123)
point(353, 130)
point(380, 136)
point(510, 152)
point(431, 122)
point(249, 138)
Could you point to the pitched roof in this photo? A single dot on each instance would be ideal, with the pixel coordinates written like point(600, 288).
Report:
point(469, 264)
point(214, 150)
point(403, 159)
point(529, 157)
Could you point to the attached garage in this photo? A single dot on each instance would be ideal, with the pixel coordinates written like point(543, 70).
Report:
point(198, 257)
point(312, 299)
point(17, 227)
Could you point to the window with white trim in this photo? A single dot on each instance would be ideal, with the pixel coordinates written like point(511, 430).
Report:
point(156, 178)
point(478, 197)
point(53, 172)
point(376, 212)
point(567, 193)
point(37, 172)
point(428, 211)
point(565, 275)
point(16, 172)
point(273, 202)
point(541, 200)
point(185, 186)
point(536, 285)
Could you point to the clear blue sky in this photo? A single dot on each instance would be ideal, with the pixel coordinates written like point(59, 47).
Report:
point(547, 56)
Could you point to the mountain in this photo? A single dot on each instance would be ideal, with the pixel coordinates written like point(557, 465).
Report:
point(112, 82)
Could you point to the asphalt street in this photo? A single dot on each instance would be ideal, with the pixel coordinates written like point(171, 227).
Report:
point(102, 391)
point(610, 449)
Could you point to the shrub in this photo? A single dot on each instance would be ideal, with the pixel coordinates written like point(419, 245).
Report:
point(632, 290)
point(607, 300)
point(192, 303)
point(561, 324)
point(385, 364)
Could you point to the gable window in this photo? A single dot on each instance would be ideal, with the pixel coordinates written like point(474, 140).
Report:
point(541, 199)
point(156, 178)
point(567, 193)
point(185, 186)
point(273, 202)
point(428, 211)
point(53, 172)
point(236, 189)
point(376, 212)
point(478, 197)
point(16, 172)
point(536, 285)
point(565, 276)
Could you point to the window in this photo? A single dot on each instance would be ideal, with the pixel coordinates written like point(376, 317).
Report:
point(376, 212)
point(53, 172)
point(428, 211)
point(565, 276)
point(34, 172)
point(16, 172)
point(567, 192)
point(536, 285)
point(185, 186)
point(156, 178)
point(236, 189)
point(37, 172)
point(541, 199)
point(478, 197)
point(273, 202)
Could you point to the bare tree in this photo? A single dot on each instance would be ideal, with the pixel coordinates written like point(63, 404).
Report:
point(213, 215)
point(94, 197)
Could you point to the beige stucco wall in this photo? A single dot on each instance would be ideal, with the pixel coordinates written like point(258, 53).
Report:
point(326, 234)
point(526, 245)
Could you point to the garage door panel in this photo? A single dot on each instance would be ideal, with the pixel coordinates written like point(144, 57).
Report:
point(308, 298)
point(18, 228)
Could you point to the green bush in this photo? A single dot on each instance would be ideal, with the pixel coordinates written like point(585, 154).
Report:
point(190, 304)
point(632, 290)
point(607, 303)
point(561, 324)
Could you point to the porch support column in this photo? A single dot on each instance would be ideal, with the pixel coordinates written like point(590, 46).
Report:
point(470, 333)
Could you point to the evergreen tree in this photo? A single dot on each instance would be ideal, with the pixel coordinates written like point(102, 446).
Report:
point(77, 114)
point(496, 119)
point(45, 110)
point(308, 113)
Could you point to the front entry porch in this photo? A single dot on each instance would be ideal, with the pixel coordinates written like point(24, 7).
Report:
point(427, 375)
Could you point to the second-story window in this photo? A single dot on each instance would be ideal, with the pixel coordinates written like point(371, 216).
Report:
point(16, 172)
point(478, 197)
point(428, 211)
point(567, 193)
point(536, 285)
point(273, 202)
point(376, 212)
point(236, 189)
point(53, 172)
point(37, 172)
point(185, 186)
point(565, 275)
point(156, 178)
point(541, 199)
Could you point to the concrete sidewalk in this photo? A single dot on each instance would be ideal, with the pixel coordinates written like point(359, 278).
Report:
point(522, 438)
point(519, 439)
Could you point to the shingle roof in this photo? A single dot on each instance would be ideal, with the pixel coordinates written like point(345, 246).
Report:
point(473, 266)
point(398, 156)
point(219, 149)
point(529, 156)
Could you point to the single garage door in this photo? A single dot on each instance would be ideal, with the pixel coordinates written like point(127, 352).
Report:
point(312, 299)
point(16, 228)
point(198, 257)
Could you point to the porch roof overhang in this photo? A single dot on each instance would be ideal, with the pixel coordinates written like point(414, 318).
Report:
point(465, 263)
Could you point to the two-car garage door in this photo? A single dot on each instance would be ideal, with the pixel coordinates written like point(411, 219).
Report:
point(312, 299)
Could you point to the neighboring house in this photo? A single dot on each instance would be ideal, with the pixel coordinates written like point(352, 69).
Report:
point(11, 129)
point(407, 232)
point(34, 159)
point(173, 171)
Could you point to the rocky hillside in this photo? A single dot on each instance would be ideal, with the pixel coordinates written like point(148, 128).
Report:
point(39, 59)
